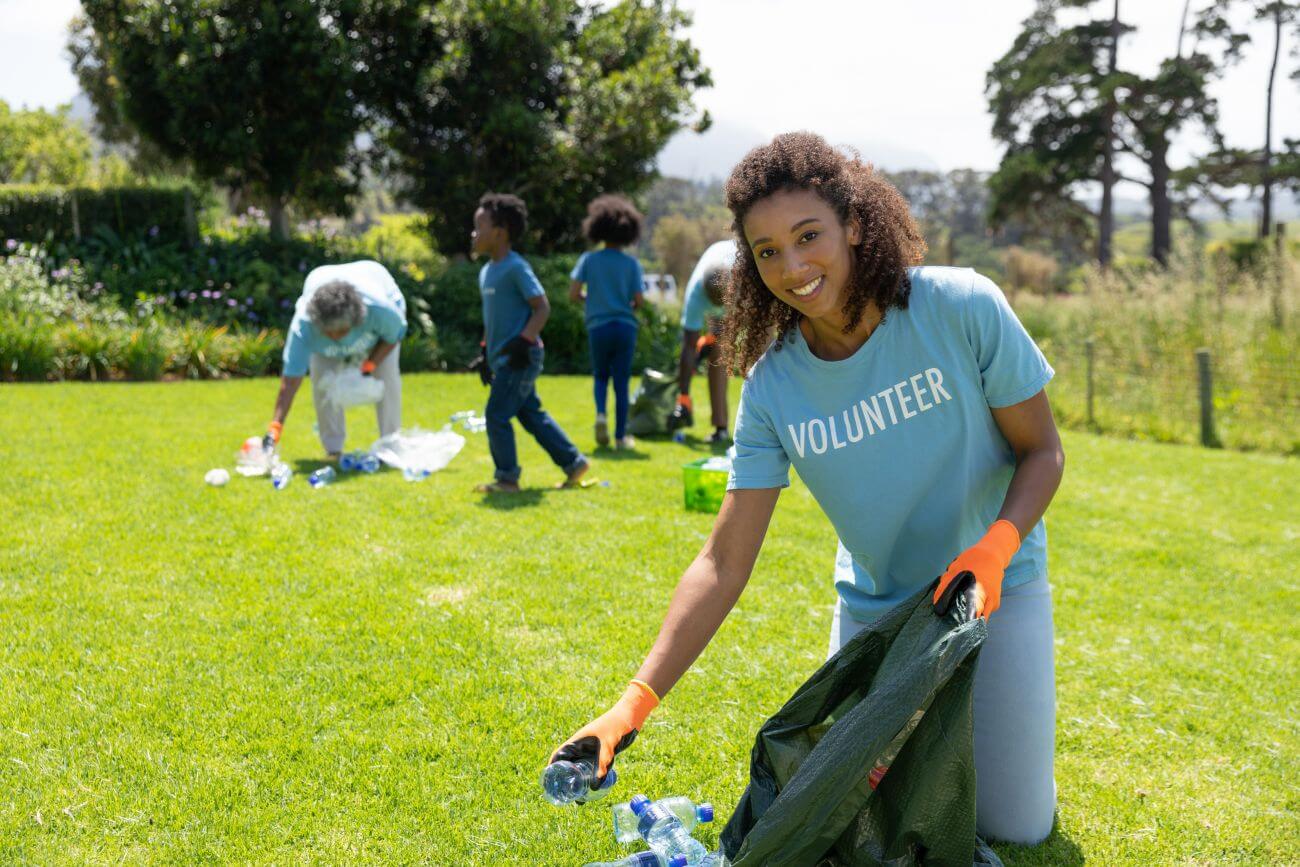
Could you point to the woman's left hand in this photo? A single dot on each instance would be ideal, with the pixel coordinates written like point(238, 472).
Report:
point(988, 560)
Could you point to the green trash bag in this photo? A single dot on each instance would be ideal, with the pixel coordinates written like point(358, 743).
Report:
point(871, 761)
point(652, 403)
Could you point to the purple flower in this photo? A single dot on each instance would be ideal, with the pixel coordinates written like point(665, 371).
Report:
point(252, 317)
point(11, 244)
point(231, 302)
point(59, 273)
point(212, 262)
point(285, 303)
point(206, 294)
point(216, 293)
point(153, 231)
point(191, 297)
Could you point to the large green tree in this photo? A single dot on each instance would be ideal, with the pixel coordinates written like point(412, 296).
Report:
point(257, 95)
point(42, 147)
point(1064, 107)
point(553, 100)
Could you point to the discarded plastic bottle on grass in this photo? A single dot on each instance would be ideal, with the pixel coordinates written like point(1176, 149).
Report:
point(687, 811)
point(369, 463)
point(281, 474)
point(642, 859)
point(664, 833)
point(350, 462)
point(322, 477)
point(565, 782)
point(415, 474)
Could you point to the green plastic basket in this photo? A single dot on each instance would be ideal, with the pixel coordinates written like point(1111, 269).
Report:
point(702, 488)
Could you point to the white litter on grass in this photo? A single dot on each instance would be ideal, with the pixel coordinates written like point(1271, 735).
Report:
point(349, 387)
point(252, 459)
point(217, 478)
point(418, 453)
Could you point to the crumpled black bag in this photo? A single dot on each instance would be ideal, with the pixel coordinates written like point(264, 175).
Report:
point(871, 761)
point(652, 403)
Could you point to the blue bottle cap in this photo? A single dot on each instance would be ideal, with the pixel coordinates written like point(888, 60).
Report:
point(638, 804)
point(704, 812)
point(677, 861)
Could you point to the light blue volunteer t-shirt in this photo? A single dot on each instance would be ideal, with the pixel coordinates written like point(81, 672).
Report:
point(613, 279)
point(506, 287)
point(896, 442)
point(697, 309)
point(385, 316)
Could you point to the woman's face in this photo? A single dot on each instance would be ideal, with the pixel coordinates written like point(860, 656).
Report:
point(803, 252)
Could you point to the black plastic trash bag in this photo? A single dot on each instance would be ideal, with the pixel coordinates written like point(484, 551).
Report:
point(652, 403)
point(871, 761)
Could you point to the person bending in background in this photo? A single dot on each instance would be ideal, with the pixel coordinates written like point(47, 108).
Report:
point(514, 310)
point(608, 282)
point(702, 313)
point(350, 314)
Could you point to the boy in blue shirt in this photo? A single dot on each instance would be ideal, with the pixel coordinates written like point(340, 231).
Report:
point(702, 313)
point(514, 310)
point(613, 282)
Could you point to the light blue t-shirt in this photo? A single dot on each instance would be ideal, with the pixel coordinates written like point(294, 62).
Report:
point(506, 287)
point(613, 279)
point(897, 443)
point(385, 316)
point(697, 309)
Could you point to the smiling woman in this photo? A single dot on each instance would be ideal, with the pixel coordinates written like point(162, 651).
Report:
point(843, 249)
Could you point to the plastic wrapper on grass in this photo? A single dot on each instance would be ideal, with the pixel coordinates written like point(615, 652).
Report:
point(349, 387)
point(418, 453)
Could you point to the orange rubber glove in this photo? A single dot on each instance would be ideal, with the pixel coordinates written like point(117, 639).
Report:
point(367, 367)
point(273, 430)
point(988, 560)
point(611, 732)
point(684, 400)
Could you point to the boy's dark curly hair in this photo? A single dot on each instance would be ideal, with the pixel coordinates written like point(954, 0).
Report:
point(891, 241)
point(506, 211)
point(612, 219)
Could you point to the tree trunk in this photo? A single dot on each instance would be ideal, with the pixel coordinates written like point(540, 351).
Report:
point(1106, 219)
point(1161, 211)
point(1266, 173)
point(278, 215)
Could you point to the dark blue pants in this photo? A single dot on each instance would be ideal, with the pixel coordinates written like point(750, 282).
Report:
point(514, 395)
point(612, 346)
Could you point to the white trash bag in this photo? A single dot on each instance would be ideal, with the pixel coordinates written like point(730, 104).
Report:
point(252, 459)
point(347, 387)
point(418, 453)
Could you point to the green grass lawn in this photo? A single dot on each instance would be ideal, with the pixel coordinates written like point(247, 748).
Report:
point(376, 671)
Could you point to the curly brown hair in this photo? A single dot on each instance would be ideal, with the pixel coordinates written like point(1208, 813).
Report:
point(612, 219)
point(891, 241)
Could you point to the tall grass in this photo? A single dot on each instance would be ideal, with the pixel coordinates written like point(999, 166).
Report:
point(1145, 326)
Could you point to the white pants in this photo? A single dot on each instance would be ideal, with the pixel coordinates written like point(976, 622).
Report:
point(1014, 715)
point(330, 418)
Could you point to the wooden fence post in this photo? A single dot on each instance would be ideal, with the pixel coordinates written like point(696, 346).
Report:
point(1088, 356)
point(1208, 439)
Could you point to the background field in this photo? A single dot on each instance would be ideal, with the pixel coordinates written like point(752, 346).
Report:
point(376, 671)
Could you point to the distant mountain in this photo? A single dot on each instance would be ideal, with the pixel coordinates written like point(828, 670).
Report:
point(711, 155)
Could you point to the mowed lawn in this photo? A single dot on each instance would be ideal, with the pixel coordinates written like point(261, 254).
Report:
point(376, 671)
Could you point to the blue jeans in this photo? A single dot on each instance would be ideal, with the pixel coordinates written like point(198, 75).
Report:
point(612, 345)
point(514, 394)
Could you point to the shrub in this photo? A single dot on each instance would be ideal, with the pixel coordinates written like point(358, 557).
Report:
point(45, 213)
point(88, 350)
point(27, 349)
point(1029, 270)
point(201, 351)
point(146, 352)
point(251, 353)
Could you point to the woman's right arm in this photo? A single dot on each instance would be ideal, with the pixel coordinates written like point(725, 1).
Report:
point(710, 586)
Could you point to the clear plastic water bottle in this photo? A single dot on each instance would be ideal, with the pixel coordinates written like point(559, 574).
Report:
point(281, 474)
point(350, 462)
point(642, 859)
point(461, 416)
point(687, 811)
point(566, 782)
point(322, 477)
point(368, 463)
point(664, 833)
point(476, 424)
point(679, 436)
point(415, 474)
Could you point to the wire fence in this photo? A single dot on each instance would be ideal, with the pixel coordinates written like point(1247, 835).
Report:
point(1194, 397)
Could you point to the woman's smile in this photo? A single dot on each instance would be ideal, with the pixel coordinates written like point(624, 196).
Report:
point(810, 289)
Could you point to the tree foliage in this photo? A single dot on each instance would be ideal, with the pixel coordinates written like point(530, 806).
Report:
point(554, 101)
point(258, 95)
point(42, 147)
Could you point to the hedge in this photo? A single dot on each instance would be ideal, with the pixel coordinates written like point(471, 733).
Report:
point(61, 214)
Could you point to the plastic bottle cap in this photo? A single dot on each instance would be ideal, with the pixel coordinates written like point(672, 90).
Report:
point(638, 804)
point(704, 812)
point(677, 861)
point(610, 779)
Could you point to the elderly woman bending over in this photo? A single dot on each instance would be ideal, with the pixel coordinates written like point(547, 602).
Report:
point(351, 314)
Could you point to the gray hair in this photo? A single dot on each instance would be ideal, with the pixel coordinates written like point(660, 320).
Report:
point(336, 306)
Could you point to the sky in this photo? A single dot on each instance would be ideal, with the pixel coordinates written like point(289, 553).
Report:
point(903, 82)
